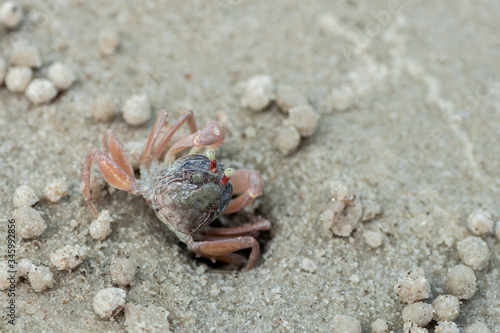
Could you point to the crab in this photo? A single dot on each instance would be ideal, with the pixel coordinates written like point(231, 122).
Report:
point(186, 193)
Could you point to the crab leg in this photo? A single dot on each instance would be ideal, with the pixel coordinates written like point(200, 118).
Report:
point(186, 116)
point(247, 183)
point(221, 248)
point(111, 171)
point(112, 146)
point(246, 230)
point(160, 122)
point(210, 136)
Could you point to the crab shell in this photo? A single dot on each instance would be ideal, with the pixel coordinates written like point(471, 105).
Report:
point(187, 195)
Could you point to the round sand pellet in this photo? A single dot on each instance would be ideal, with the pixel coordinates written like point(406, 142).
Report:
point(373, 238)
point(11, 14)
point(304, 119)
point(446, 308)
point(137, 110)
point(109, 302)
point(287, 140)
point(419, 313)
point(7, 280)
point(3, 70)
point(24, 267)
point(346, 324)
point(25, 196)
point(480, 222)
point(104, 108)
point(122, 271)
point(18, 78)
point(308, 265)
point(259, 93)
point(68, 257)
point(41, 278)
point(109, 40)
point(55, 190)
point(25, 55)
point(41, 91)
point(370, 210)
point(61, 75)
point(446, 327)
point(288, 97)
point(29, 222)
point(413, 286)
point(101, 227)
point(461, 282)
point(474, 252)
point(380, 326)
point(477, 327)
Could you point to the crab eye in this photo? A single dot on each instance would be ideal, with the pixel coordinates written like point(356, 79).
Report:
point(227, 175)
point(211, 157)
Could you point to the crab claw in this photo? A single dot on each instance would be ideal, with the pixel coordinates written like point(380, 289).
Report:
point(247, 183)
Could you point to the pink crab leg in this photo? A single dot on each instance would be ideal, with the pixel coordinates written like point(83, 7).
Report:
point(112, 146)
point(186, 116)
point(247, 183)
point(146, 156)
point(246, 230)
point(217, 248)
point(210, 136)
point(111, 171)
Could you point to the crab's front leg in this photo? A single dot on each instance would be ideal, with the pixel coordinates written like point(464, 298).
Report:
point(248, 184)
point(115, 169)
point(223, 249)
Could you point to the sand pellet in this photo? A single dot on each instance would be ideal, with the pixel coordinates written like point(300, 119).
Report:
point(18, 78)
point(41, 91)
point(109, 40)
point(373, 238)
point(137, 110)
point(55, 190)
point(287, 140)
point(25, 196)
point(446, 308)
point(380, 326)
point(287, 97)
point(100, 228)
point(104, 108)
point(308, 265)
point(11, 14)
point(446, 327)
point(122, 271)
point(24, 267)
point(68, 257)
point(25, 55)
point(480, 222)
point(140, 319)
point(259, 93)
point(3, 70)
point(413, 286)
point(304, 118)
point(346, 324)
point(419, 313)
point(29, 222)
point(61, 75)
point(109, 302)
point(344, 211)
point(474, 252)
point(461, 282)
point(41, 278)
point(7, 280)
point(477, 327)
